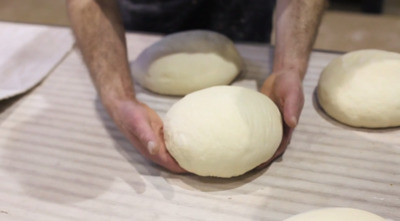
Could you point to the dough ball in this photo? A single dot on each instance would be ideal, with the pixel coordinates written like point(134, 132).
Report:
point(188, 61)
point(223, 131)
point(336, 214)
point(362, 89)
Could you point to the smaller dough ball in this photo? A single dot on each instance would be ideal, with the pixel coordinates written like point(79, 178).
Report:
point(223, 131)
point(336, 214)
point(362, 89)
point(188, 61)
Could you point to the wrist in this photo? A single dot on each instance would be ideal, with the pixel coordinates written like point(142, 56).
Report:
point(294, 68)
point(290, 73)
point(293, 63)
point(113, 101)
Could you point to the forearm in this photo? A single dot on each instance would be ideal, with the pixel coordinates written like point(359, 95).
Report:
point(101, 38)
point(296, 25)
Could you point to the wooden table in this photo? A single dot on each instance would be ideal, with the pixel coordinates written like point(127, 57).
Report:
point(62, 158)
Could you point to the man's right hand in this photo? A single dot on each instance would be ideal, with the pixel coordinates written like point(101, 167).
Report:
point(144, 129)
point(100, 35)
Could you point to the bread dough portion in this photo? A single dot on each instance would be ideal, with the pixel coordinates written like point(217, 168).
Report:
point(187, 61)
point(182, 73)
point(222, 131)
point(362, 89)
point(336, 214)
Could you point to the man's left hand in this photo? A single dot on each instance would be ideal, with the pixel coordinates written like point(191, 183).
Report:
point(285, 89)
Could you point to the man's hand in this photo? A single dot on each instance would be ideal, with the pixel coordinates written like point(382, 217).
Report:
point(144, 129)
point(285, 89)
point(100, 35)
point(296, 26)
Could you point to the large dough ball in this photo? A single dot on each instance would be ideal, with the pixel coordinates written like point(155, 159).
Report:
point(223, 131)
point(187, 61)
point(362, 89)
point(336, 214)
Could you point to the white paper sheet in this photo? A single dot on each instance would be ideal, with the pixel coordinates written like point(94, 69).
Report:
point(28, 54)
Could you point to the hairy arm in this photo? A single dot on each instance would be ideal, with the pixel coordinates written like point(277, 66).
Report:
point(297, 22)
point(100, 35)
point(296, 26)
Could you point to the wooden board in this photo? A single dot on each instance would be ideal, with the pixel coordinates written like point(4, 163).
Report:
point(62, 158)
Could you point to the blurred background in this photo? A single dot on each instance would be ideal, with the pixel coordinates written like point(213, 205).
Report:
point(347, 24)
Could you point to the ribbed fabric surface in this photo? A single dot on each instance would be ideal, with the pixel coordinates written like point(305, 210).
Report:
point(62, 158)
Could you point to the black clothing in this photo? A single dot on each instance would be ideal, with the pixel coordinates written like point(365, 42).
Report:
point(240, 20)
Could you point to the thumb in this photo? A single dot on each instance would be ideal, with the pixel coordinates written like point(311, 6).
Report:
point(292, 107)
point(147, 137)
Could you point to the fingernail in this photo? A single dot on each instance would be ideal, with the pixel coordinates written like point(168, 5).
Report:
point(151, 147)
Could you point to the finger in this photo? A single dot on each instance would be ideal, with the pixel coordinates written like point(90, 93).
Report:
point(292, 107)
point(168, 161)
point(153, 135)
point(147, 137)
point(172, 165)
point(286, 137)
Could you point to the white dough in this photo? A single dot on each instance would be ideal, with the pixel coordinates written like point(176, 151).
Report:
point(223, 131)
point(187, 61)
point(336, 214)
point(362, 89)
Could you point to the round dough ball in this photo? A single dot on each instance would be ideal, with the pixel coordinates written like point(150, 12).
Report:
point(336, 214)
point(223, 131)
point(188, 61)
point(362, 89)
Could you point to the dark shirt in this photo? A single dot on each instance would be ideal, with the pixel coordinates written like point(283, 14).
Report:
point(240, 20)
